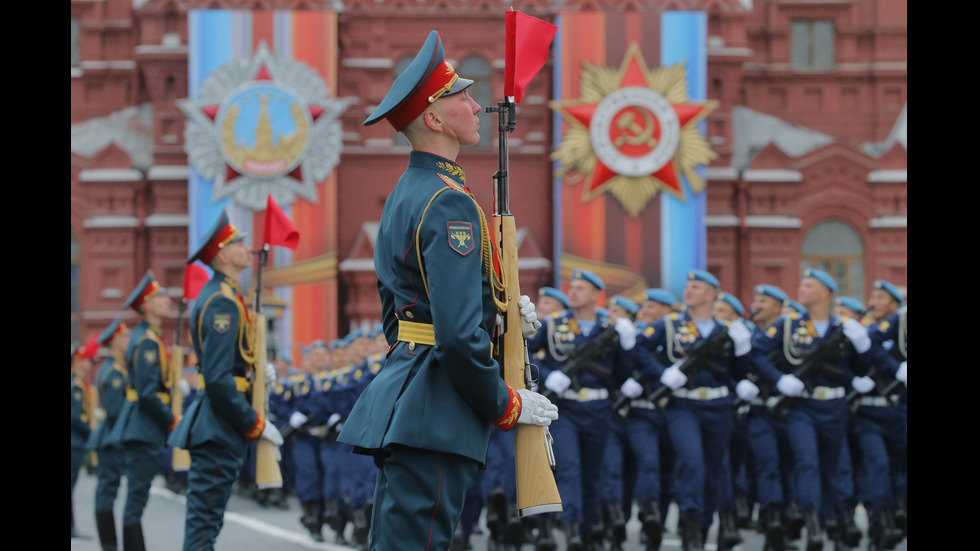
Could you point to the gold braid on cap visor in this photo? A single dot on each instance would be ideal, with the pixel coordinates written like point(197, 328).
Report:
point(447, 87)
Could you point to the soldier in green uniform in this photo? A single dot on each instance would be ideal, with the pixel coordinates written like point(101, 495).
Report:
point(111, 385)
point(219, 424)
point(81, 364)
point(427, 416)
point(146, 418)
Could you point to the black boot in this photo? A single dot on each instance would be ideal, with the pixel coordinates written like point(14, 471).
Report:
point(691, 536)
point(617, 522)
point(728, 536)
point(835, 532)
point(814, 534)
point(902, 516)
point(851, 531)
point(132, 537)
point(652, 525)
point(743, 510)
point(892, 535)
point(773, 526)
point(334, 518)
point(545, 540)
point(496, 514)
point(311, 520)
point(361, 526)
point(794, 521)
point(573, 537)
point(105, 523)
point(513, 527)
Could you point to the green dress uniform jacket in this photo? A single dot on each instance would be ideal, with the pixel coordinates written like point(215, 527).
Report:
point(222, 412)
point(429, 256)
point(146, 415)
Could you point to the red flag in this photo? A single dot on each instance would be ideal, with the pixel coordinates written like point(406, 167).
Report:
point(279, 229)
point(91, 348)
point(195, 276)
point(528, 41)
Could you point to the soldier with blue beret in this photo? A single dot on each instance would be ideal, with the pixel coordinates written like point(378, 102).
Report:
point(550, 300)
point(816, 416)
point(620, 306)
point(699, 408)
point(426, 417)
point(884, 301)
point(792, 306)
point(727, 306)
point(584, 396)
point(81, 429)
point(848, 307)
point(110, 383)
point(146, 417)
point(218, 426)
point(656, 304)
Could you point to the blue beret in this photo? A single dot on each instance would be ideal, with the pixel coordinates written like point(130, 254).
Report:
point(358, 334)
point(626, 304)
point(703, 275)
point(146, 288)
point(379, 329)
point(890, 289)
point(337, 343)
point(555, 294)
point(319, 343)
point(222, 233)
point(663, 296)
point(590, 277)
point(796, 306)
point(602, 312)
point(849, 302)
point(733, 302)
point(823, 277)
point(286, 358)
point(117, 326)
point(427, 78)
point(771, 291)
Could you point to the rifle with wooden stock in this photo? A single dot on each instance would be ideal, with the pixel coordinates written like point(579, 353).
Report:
point(267, 472)
point(537, 491)
point(701, 355)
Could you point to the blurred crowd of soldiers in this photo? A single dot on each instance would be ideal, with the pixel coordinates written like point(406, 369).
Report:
point(783, 417)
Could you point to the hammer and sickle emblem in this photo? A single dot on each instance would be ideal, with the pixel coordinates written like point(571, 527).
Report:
point(633, 132)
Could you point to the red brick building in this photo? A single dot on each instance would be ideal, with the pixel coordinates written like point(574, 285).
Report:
point(810, 134)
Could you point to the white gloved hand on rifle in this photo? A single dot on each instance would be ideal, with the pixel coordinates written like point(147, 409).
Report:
point(858, 335)
point(270, 376)
point(741, 337)
point(536, 409)
point(863, 385)
point(627, 333)
point(631, 389)
point(529, 317)
point(557, 382)
point(673, 377)
point(297, 419)
point(271, 433)
point(790, 385)
point(746, 390)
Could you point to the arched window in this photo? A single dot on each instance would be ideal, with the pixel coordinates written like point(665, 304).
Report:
point(76, 313)
point(478, 70)
point(835, 247)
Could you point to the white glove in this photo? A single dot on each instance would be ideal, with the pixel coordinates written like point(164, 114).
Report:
point(673, 377)
point(271, 433)
point(627, 333)
point(334, 418)
point(903, 372)
point(631, 389)
point(863, 385)
point(529, 316)
point(741, 337)
point(746, 390)
point(536, 409)
point(858, 335)
point(270, 376)
point(557, 382)
point(99, 414)
point(790, 385)
point(184, 386)
point(297, 419)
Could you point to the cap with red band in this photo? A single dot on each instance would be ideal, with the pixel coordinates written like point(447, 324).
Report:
point(427, 78)
point(222, 233)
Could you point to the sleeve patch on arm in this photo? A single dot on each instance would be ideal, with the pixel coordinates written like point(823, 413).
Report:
point(221, 323)
point(510, 416)
point(460, 237)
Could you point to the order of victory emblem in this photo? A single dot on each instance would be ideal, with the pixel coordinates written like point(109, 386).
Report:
point(262, 126)
point(632, 133)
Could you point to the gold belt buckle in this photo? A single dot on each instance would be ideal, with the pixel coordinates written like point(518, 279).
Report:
point(821, 393)
point(702, 393)
point(582, 394)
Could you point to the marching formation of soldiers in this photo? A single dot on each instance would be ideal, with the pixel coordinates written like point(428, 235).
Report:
point(781, 418)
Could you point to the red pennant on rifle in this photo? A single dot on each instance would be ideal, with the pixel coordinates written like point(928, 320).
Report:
point(279, 229)
point(528, 41)
point(195, 276)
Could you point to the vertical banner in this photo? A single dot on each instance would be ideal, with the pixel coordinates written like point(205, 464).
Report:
point(626, 144)
point(262, 119)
